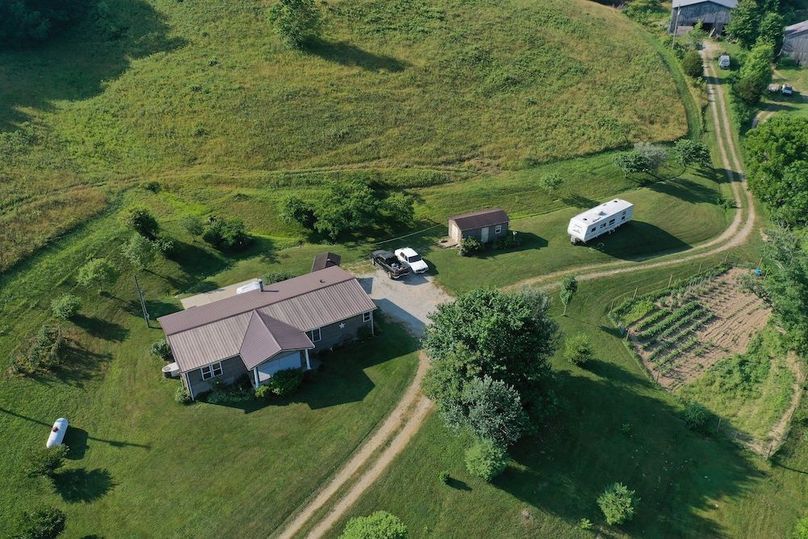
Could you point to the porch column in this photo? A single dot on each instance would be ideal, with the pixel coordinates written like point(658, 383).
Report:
point(372, 329)
point(308, 365)
point(255, 377)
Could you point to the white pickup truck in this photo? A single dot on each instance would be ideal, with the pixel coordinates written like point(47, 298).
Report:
point(412, 259)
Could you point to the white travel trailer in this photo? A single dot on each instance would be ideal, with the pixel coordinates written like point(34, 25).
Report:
point(602, 219)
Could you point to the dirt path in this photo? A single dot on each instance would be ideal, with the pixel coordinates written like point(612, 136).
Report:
point(407, 417)
point(779, 431)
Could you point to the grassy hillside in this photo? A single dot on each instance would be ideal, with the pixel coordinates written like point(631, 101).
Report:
point(161, 89)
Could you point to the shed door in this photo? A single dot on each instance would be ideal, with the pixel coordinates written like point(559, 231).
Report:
point(484, 235)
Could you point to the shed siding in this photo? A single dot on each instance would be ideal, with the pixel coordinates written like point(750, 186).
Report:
point(232, 369)
point(477, 233)
point(706, 12)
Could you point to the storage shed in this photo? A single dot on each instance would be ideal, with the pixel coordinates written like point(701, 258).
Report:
point(795, 42)
point(485, 225)
point(713, 14)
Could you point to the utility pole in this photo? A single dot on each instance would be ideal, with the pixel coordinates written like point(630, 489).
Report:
point(142, 300)
point(675, 27)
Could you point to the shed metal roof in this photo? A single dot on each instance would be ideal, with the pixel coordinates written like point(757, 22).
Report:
point(478, 219)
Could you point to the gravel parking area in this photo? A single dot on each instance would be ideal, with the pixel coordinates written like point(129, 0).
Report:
point(408, 300)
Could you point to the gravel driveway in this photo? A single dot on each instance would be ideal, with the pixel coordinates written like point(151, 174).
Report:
point(408, 300)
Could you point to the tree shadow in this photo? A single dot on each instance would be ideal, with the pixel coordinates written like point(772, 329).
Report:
point(686, 190)
point(637, 240)
point(76, 64)
point(579, 201)
point(82, 485)
point(347, 54)
point(101, 329)
point(76, 366)
point(196, 261)
point(676, 473)
point(457, 484)
point(76, 442)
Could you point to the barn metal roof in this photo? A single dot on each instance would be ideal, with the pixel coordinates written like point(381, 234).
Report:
point(796, 28)
point(477, 219)
point(208, 333)
point(731, 4)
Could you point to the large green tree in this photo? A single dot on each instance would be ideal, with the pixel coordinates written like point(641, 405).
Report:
point(745, 22)
point(777, 167)
point(26, 22)
point(506, 336)
point(785, 264)
point(755, 74)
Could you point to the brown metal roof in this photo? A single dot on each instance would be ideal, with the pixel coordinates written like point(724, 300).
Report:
point(325, 260)
point(266, 337)
point(478, 219)
point(208, 333)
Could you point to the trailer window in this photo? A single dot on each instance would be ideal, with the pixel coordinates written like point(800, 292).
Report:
point(623, 218)
point(603, 225)
point(611, 222)
point(594, 228)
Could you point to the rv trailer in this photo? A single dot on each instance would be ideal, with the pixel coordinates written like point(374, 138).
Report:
point(600, 220)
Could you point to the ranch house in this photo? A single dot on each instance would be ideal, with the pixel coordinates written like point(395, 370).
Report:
point(266, 329)
point(713, 14)
point(485, 225)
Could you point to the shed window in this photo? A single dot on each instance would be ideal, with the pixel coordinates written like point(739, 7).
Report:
point(211, 371)
point(366, 317)
point(315, 335)
point(498, 229)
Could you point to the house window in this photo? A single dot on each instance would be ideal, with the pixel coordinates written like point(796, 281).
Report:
point(498, 229)
point(315, 335)
point(366, 317)
point(211, 371)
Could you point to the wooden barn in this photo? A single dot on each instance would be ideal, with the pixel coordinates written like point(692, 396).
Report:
point(795, 42)
point(713, 14)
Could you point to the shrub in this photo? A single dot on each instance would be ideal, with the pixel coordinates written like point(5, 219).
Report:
point(161, 349)
point(153, 186)
point(296, 21)
point(165, 246)
point(585, 524)
point(578, 349)
point(193, 225)
point(181, 395)
point(692, 64)
point(486, 460)
point(97, 272)
point(226, 234)
point(44, 350)
point(232, 394)
point(143, 222)
point(695, 415)
point(295, 210)
point(378, 525)
point(551, 182)
point(470, 246)
point(42, 523)
point(45, 461)
point(284, 383)
point(277, 276)
point(618, 503)
point(801, 529)
point(444, 477)
point(65, 306)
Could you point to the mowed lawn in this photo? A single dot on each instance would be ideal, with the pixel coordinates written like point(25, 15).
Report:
point(142, 465)
point(612, 425)
point(191, 92)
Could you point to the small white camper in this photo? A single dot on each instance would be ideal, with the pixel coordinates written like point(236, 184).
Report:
point(602, 219)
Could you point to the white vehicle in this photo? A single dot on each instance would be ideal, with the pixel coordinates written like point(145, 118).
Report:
point(412, 259)
point(723, 61)
point(787, 89)
point(600, 220)
point(57, 433)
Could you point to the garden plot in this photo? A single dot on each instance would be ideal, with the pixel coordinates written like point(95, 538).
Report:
point(681, 334)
